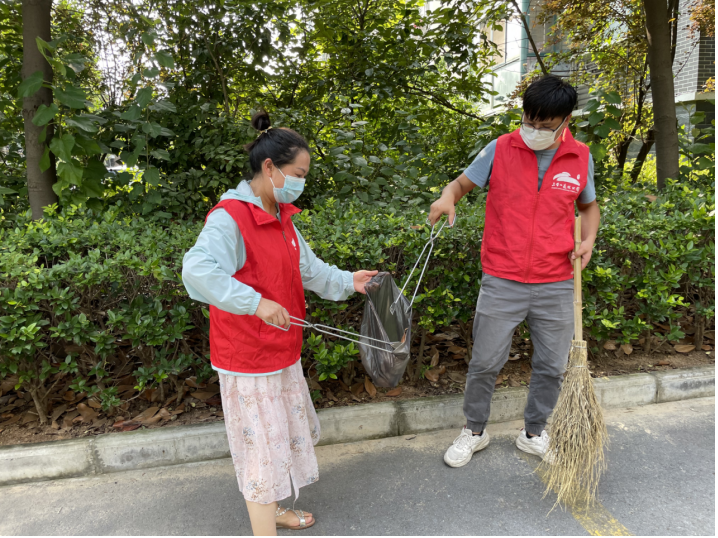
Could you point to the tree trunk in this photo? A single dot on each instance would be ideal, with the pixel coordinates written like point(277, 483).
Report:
point(530, 37)
point(664, 109)
point(641, 157)
point(39, 405)
point(36, 15)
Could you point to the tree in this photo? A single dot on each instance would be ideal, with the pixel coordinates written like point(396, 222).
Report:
point(609, 47)
point(36, 71)
point(658, 34)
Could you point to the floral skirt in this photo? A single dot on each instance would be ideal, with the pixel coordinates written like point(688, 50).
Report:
point(272, 429)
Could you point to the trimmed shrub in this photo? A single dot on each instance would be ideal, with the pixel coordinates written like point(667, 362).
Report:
point(90, 300)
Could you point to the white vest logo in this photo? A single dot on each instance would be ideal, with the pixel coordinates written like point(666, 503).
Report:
point(294, 244)
point(565, 182)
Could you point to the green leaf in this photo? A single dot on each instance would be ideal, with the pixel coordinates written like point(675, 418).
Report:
point(62, 146)
point(76, 62)
point(91, 147)
point(592, 105)
point(363, 197)
point(594, 118)
point(30, 85)
point(44, 114)
point(161, 154)
point(71, 96)
point(85, 122)
point(131, 114)
point(598, 151)
point(164, 58)
point(45, 160)
point(94, 204)
point(43, 45)
point(359, 161)
point(613, 124)
point(151, 128)
point(151, 176)
point(5, 190)
point(92, 188)
point(152, 72)
point(704, 163)
point(163, 106)
point(613, 97)
point(143, 97)
point(148, 38)
point(154, 197)
point(95, 170)
point(701, 148)
point(614, 111)
point(602, 130)
point(69, 172)
point(698, 117)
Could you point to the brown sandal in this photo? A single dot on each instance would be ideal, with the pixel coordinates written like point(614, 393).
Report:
point(299, 513)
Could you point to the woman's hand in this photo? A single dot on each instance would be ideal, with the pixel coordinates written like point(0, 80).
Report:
point(272, 312)
point(361, 278)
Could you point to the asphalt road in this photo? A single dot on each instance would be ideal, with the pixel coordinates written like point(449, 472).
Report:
point(660, 481)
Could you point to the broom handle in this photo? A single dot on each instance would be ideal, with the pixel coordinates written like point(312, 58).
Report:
point(577, 307)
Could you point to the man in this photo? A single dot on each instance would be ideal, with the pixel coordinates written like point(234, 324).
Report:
point(535, 176)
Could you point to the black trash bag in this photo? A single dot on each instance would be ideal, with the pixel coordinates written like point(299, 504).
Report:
point(390, 325)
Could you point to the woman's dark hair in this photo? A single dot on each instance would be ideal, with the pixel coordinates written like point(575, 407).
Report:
point(549, 97)
point(281, 145)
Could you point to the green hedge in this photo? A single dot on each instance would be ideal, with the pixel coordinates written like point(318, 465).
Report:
point(91, 299)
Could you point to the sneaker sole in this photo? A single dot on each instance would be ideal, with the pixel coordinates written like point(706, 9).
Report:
point(524, 446)
point(482, 445)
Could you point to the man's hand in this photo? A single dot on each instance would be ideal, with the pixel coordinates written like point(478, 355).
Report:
point(584, 252)
point(450, 196)
point(273, 313)
point(443, 206)
point(361, 278)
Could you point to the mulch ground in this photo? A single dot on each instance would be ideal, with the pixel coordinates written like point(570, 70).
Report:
point(74, 415)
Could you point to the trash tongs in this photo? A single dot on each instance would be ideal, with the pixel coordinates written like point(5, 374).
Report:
point(331, 331)
point(430, 244)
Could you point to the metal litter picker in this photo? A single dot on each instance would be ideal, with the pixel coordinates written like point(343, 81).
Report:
point(575, 459)
point(385, 339)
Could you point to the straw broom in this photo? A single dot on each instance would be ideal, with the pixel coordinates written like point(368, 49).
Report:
point(578, 431)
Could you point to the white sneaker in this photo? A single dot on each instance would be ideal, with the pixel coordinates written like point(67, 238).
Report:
point(537, 445)
point(459, 453)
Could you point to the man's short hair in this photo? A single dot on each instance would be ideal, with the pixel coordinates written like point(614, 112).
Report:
point(549, 97)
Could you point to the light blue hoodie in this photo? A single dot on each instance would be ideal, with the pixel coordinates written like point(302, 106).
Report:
point(219, 253)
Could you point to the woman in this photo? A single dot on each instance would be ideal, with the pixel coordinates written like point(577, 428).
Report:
point(252, 266)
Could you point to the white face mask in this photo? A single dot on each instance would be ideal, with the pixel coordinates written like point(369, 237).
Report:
point(292, 189)
point(538, 140)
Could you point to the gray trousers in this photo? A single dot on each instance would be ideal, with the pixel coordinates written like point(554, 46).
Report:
point(502, 305)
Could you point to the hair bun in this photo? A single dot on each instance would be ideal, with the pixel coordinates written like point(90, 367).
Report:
point(261, 121)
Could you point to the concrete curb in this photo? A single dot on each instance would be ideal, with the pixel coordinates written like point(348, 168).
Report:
point(184, 444)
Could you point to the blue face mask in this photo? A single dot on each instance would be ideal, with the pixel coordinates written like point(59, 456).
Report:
point(293, 188)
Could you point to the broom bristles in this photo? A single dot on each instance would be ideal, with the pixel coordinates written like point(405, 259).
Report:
point(578, 436)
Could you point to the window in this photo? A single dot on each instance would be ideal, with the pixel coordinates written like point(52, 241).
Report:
point(507, 76)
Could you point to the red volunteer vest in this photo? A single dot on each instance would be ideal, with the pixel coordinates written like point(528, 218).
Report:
point(528, 233)
point(246, 344)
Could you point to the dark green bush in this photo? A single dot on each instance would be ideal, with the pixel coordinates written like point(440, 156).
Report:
point(94, 299)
